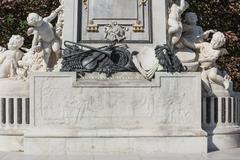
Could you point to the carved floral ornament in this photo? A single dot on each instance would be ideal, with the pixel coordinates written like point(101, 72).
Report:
point(85, 4)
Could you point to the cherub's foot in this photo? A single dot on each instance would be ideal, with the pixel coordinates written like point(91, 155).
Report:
point(226, 83)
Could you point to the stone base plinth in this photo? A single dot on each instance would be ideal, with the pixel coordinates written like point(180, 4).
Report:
point(224, 138)
point(77, 142)
point(121, 114)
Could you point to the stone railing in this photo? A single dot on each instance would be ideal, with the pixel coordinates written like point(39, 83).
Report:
point(14, 112)
point(220, 112)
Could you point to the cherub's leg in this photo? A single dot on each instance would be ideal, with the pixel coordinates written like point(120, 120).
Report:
point(214, 77)
point(56, 47)
point(47, 52)
point(206, 84)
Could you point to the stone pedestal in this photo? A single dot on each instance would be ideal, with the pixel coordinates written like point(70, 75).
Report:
point(117, 115)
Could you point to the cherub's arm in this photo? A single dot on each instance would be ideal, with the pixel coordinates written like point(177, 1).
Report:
point(54, 14)
point(206, 34)
point(35, 40)
point(183, 6)
point(191, 45)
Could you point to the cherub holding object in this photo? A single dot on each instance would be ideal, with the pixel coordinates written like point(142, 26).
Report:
point(174, 21)
point(45, 38)
point(209, 54)
point(9, 58)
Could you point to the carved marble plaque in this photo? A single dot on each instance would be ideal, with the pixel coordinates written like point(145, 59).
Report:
point(95, 15)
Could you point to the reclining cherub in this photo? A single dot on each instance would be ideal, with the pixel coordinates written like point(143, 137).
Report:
point(209, 54)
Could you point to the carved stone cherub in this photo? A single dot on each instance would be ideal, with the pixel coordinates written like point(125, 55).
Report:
point(193, 32)
point(209, 54)
point(174, 21)
point(45, 38)
point(9, 58)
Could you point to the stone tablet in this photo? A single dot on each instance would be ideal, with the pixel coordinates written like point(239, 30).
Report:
point(86, 20)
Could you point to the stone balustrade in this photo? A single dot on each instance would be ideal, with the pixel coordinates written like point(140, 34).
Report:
point(220, 112)
point(14, 112)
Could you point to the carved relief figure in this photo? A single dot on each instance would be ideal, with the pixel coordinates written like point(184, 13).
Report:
point(209, 54)
point(115, 32)
point(9, 58)
point(45, 38)
point(175, 24)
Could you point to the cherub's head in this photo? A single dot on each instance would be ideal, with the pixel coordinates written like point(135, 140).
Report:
point(34, 20)
point(218, 40)
point(15, 42)
point(191, 18)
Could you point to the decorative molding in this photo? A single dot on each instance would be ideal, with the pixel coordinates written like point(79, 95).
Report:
point(143, 2)
point(85, 4)
point(91, 27)
point(138, 27)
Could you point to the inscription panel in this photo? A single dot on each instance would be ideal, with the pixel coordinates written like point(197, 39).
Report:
point(110, 10)
point(95, 15)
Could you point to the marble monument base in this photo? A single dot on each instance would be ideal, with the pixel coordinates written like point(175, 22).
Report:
point(121, 114)
point(13, 102)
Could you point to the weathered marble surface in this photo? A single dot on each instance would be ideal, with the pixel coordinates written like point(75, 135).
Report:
point(13, 88)
point(232, 154)
point(58, 99)
point(165, 111)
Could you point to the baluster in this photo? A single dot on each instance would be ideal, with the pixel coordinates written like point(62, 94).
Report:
point(23, 111)
point(7, 124)
point(212, 110)
point(204, 110)
point(232, 110)
point(1, 118)
point(227, 110)
point(220, 111)
point(238, 112)
point(15, 112)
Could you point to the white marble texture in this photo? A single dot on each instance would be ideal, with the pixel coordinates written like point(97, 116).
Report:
point(125, 113)
point(232, 154)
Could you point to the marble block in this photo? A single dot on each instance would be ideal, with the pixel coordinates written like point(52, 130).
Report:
point(13, 88)
point(121, 114)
